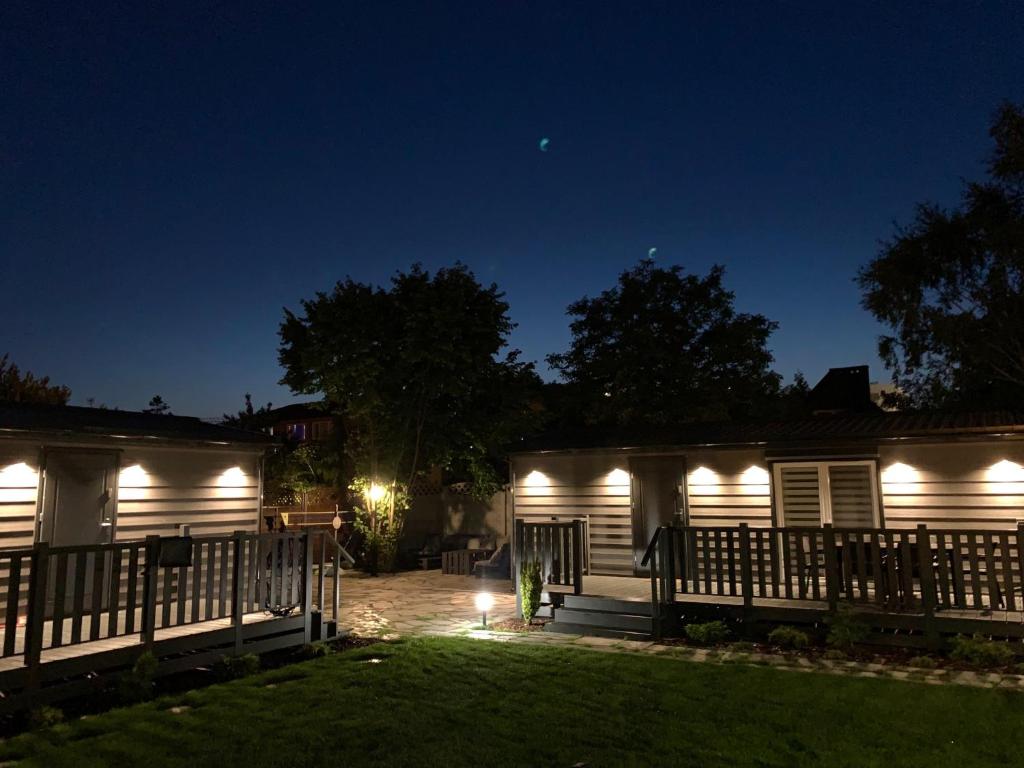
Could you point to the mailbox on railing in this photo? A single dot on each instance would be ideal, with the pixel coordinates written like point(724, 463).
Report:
point(176, 552)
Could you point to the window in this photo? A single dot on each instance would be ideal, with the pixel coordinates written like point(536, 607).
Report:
point(844, 493)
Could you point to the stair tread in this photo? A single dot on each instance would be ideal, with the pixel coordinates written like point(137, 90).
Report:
point(592, 631)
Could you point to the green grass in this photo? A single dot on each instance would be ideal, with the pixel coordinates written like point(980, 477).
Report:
point(456, 702)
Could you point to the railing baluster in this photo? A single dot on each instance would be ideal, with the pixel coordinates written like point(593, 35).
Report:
point(114, 600)
point(972, 559)
point(131, 599)
point(197, 578)
point(60, 588)
point(222, 591)
point(994, 598)
point(959, 587)
point(1007, 572)
point(13, 598)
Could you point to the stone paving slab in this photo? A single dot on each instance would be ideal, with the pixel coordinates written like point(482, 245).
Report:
point(429, 603)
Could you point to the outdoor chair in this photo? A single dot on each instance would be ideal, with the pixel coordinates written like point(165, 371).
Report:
point(497, 566)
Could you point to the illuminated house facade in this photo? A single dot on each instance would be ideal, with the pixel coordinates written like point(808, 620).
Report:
point(863, 470)
point(71, 476)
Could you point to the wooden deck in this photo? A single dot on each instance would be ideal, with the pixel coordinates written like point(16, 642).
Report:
point(73, 614)
point(948, 620)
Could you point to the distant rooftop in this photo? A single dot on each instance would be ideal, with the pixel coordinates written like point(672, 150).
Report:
point(70, 420)
point(825, 429)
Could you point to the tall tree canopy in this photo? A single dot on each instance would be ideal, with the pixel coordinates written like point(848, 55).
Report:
point(664, 347)
point(416, 371)
point(18, 387)
point(951, 287)
point(248, 417)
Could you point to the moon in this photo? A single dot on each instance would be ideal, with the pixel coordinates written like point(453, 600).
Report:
point(543, 145)
point(651, 252)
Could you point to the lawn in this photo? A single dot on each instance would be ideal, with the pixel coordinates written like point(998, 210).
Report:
point(464, 702)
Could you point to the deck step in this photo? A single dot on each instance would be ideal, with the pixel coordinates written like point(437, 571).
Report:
point(603, 619)
point(608, 604)
point(566, 628)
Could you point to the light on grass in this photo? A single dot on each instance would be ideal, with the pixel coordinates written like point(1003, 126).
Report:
point(484, 603)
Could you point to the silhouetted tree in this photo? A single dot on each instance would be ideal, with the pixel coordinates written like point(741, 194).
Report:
point(18, 387)
point(951, 288)
point(664, 347)
point(157, 406)
point(248, 418)
point(415, 372)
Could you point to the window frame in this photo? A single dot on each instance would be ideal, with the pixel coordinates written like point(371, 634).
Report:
point(824, 488)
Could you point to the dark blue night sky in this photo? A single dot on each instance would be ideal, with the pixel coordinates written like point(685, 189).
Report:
point(169, 179)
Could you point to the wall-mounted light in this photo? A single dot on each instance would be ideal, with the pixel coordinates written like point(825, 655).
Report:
point(1005, 471)
point(617, 477)
point(18, 483)
point(703, 481)
point(232, 478)
point(900, 478)
point(536, 479)
point(754, 480)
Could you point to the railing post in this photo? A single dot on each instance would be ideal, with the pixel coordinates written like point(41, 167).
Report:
point(746, 569)
point(336, 587)
point(928, 596)
point(518, 536)
point(831, 587)
point(655, 598)
point(577, 557)
point(307, 586)
point(238, 593)
point(36, 611)
point(150, 576)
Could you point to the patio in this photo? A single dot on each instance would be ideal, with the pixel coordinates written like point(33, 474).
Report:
point(419, 602)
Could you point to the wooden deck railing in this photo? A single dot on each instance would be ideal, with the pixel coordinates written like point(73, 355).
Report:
point(921, 569)
point(558, 546)
point(61, 596)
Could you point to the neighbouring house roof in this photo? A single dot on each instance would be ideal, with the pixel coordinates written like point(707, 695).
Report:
point(293, 412)
point(77, 422)
point(820, 430)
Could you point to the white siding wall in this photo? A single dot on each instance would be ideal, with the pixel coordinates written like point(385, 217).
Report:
point(19, 479)
point(213, 491)
point(728, 487)
point(955, 485)
point(594, 487)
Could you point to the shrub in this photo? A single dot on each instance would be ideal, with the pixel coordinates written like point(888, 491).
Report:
point(744, 646)
point(846, 628)
point(530, 585)
point(137, 685)
point(923, 662)
point(233, 667)
point(708, 633)
point(980, 652)
point(44, 717)
point(315, 650)
point(789, 638)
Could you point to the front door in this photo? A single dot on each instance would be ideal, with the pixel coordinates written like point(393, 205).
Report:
point(79, 492)
point(656, 496)
point(79, 489)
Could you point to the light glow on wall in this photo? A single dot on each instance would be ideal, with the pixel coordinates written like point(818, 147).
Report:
point(1005, 471)
point(703, 481)
point(18, 483)
point(754, 481)
point(900, 478)
point(132, 483)
point(536, 479)
point(232, 478)
point(899, 473)
point(617, 477)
